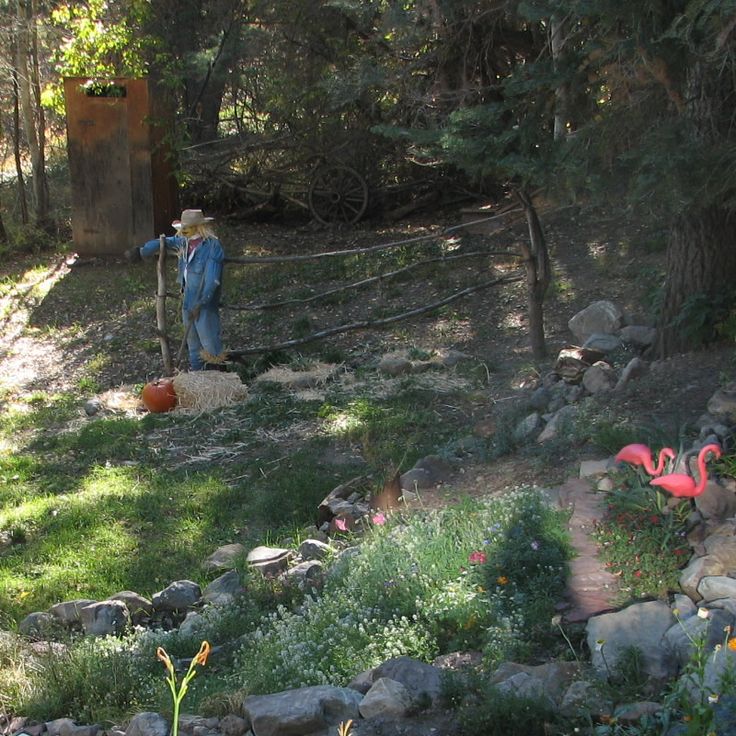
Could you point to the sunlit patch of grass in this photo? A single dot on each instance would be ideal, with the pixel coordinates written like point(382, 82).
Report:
point(109, 533)
point(36, 411)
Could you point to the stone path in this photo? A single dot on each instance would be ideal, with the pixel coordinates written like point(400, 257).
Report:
point(591, 589)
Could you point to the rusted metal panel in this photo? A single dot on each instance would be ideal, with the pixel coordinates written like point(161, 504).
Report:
point(116, 167)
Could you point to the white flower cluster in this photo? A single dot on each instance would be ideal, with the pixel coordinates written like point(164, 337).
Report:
point(328, 640)
point(414, 577)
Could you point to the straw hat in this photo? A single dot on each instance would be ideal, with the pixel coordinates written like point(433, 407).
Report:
point(191, 218)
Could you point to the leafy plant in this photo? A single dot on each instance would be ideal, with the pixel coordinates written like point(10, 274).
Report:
point(418, 587)
point(179, 689)
point(643, 540)
point(494, 713)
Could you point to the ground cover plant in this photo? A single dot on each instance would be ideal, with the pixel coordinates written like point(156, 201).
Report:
point(421, 584)
point(643, 538)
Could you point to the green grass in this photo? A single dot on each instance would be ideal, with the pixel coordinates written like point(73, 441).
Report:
point(92, 510)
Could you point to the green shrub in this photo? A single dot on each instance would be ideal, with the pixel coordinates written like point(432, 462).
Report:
point(495, 713)
point(416, 586)
point(92, 681)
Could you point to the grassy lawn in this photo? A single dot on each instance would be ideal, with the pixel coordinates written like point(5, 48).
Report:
point(94, 508)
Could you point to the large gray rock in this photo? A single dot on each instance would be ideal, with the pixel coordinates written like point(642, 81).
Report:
point(561, 420)
point(642, 625)
point(147, 724)
point(599, 317)
point(300, 712)
point(640, 336)
point(426, 473)
point(550, 679)
point(717, 586)
point(606, 343)
point(599, 378)
point(269, 561)
point(680, 638)
point(696, 570)
point(722, 405)
point(226, 557)
point(717, 665)
point(314, 549)
point(722, 544)
point(585, 699)
point(307, 575)
point(232, 725)
point(524, 685)
point(106, 618)
point(635, 368)
point(386, 698)
point(419, 678)
point(37, 624)
point(60, 726)
point(223, 590)
point(69, 612)
point(138, 606)
point(529, 427)
point(716, 501)
point(178, 596)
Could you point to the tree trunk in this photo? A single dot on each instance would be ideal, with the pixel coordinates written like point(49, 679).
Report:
point(536, 263)
point(204, 93)
point(561, 92)
point(28, 113)
point(16, 133)
point(701, 259)
point(700, 264)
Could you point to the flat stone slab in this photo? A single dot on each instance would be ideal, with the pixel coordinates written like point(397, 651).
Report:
point(591, 588)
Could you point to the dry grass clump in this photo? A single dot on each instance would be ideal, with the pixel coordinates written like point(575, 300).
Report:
point(316, 375)
point(206, 390)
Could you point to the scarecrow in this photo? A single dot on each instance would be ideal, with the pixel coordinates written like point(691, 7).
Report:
point(200, 257)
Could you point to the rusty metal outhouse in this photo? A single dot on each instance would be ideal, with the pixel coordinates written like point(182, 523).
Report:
point(123, 187)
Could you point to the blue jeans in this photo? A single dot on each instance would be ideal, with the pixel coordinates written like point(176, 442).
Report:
point(204, 334)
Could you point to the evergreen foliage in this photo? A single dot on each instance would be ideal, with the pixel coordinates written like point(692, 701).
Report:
point(588, 99)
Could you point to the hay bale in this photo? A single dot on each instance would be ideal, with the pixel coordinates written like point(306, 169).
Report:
point(205, 390)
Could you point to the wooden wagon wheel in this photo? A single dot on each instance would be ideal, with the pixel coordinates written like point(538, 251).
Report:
point(337, 193)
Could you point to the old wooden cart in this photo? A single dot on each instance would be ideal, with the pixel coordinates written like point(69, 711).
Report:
point(257, 175)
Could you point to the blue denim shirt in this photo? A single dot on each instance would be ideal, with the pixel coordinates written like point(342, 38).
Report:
point(200, 279)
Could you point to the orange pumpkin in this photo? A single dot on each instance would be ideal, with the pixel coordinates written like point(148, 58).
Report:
point(159, 396)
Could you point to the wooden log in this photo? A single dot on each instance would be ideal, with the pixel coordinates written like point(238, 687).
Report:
point(161, 308)
point(371, 324)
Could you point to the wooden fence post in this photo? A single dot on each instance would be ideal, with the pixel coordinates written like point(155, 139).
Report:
point(161, 308)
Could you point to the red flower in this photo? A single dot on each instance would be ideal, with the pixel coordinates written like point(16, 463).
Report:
point(477, 557)
point(637, 573)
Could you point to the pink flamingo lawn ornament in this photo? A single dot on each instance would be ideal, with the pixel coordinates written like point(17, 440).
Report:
point(641, 455)
point(682, 485)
